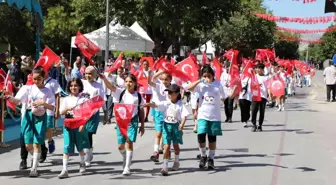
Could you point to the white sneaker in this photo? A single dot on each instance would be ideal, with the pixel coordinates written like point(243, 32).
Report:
point(63, 175)
point(176, 166)
point(283, 108)
point(279, 109)
point(87, 164)
point(126, 171)
point(82, 168)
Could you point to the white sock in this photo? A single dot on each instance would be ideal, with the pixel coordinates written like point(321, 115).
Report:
point(177, 157)
point(203, 151)
point(165, 163)
point(65, 164)
point(212, 154)
point(87, 155)
point(156, 148)
point(123, 154)
point(129, 155)
point(81, 158)
point(36, 157)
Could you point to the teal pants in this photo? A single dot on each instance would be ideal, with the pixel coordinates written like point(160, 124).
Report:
point(33, 128)
point(158, 118)
point(72, 138)
point(171, 133)
point(132, 131)
point(212, 128)
point(50, 122)
point(92, 124)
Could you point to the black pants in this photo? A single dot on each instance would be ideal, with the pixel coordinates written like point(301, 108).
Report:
point(258, 106)
point(187, 94)
point(245, 107)
point(331, 88)
point(228, 108)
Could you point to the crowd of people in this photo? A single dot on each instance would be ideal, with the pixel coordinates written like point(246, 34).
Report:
point(163, 100)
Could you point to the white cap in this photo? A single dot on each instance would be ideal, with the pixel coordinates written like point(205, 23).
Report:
point(23, 57)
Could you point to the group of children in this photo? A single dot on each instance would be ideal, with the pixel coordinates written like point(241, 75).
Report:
point(168, 111)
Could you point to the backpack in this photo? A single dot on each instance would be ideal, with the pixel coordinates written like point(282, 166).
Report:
point(139, 100)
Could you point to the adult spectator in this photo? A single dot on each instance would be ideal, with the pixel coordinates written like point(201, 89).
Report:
point(62, 80)
point(329, 74)
point(3, 65)
point(75, 72)
point(16, 73)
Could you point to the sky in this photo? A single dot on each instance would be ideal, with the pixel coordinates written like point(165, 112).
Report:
point(290, 8)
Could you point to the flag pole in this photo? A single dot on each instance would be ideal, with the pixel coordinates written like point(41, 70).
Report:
point(2, 144)
point(107, 42)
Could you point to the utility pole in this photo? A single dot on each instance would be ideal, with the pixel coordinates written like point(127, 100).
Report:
point(107, 46)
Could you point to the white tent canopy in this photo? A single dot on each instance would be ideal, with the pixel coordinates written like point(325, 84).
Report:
point(122, 38)
point(209, 46)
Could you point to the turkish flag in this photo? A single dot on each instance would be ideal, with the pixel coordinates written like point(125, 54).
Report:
point(9, 89)
point(116, 64)
point(47, 59)
point(172, 61)
point(193, 57)
point(123, 114)
point(150, 61)
point(255, 89)
point(87, 47)
point(229, 54)
point(219, 68)
point(83, 112)
point(2, 78)
point(277, 85)
point(205, 59)
point(189, 68)
point(142, 80)
point(171, 69)
point(248, 71)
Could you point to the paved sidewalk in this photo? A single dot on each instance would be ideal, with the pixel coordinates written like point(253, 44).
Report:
point(295, 148)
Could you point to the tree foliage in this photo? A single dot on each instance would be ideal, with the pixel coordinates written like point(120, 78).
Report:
point(287, 49)
point(244, 31)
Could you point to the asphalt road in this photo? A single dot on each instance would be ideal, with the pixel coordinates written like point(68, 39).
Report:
point(296, 147)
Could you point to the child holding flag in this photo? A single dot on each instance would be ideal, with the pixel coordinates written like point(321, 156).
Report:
point(128, 96)
point(38, 99)
point(175, 114)
point(77, 136)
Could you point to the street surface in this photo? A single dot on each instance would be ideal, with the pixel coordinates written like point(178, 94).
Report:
point(297, 147)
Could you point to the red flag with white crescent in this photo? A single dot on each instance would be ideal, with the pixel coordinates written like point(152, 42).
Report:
point(277, 85)
point(123, 114)
point(189, 68)
point(2, 78)
point(205, 59)
point(47, 59)
point(116, 64)
point(83, 112)
point(255, 89)
point(87, 47)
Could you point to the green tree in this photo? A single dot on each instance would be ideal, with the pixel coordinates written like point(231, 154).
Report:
point(244, 31)
point(172, 22)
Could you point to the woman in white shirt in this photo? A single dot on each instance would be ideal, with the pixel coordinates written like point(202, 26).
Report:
point(73, 137)
point(92, 88)
point(211, 94)
point(38, 99)
point(129, 95)
point(260, 106)
point(175, 114)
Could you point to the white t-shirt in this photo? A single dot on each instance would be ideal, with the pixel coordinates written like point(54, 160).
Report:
point(173, 113)
point(54, 87)
point(225, 81)
point(108, 78)
point(210, 96)
point(29, 94)
point(159, 93)
point(72, 101)
point(128, 98)
point(93, 89)
point(248, 94)
point(263, 85)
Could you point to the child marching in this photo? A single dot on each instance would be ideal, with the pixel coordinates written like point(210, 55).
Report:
point(211, 94)
point(175, 114)
point(38, 99)
point(73, 137)
point(130, 96)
